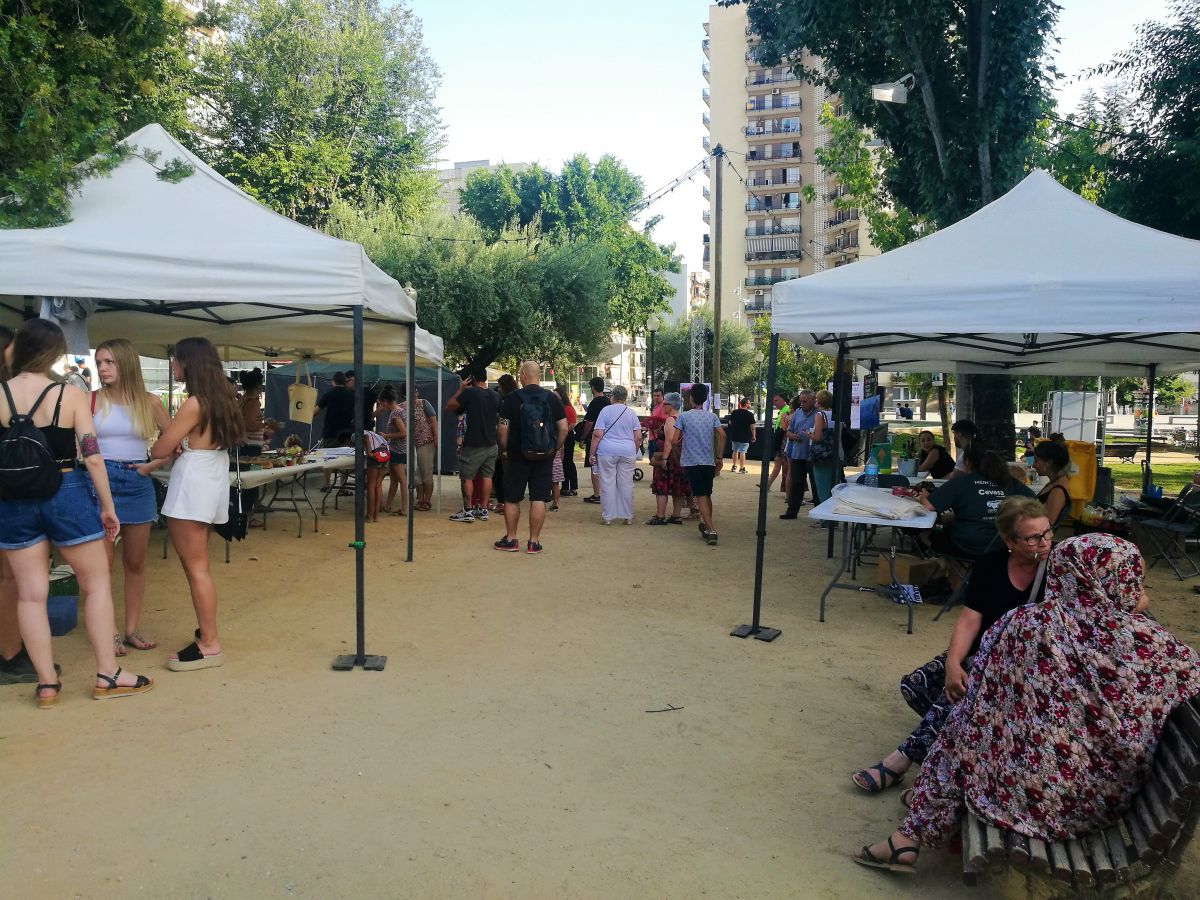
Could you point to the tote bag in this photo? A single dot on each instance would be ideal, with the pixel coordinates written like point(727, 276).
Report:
point(302, 397)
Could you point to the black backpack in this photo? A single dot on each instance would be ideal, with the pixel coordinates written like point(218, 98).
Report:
point(538, 438)
point(28, 469)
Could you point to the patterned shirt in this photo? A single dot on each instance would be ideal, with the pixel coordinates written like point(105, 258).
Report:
point(802, 422)
point(697, 427)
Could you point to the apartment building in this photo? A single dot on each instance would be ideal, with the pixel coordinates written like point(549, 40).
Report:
point(766, 120)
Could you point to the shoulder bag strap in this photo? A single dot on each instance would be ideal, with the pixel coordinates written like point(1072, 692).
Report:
point(1036, 584)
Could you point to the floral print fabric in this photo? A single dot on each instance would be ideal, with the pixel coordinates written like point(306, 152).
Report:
point(1065, 704)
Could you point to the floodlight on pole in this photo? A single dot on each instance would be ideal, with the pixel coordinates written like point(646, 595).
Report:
point(893, 91)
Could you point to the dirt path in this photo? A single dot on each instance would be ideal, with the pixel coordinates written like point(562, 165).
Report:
point(506, 751)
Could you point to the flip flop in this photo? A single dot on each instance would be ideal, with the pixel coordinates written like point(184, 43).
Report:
point(874, 786)
point(118, 646)
point(190, 658)
point(114, 690)
point(866, 858)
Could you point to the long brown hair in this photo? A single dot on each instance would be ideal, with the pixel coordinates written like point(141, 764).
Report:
point(220, 414)
point(6, 338)
point(37, 346)
point(130, 389)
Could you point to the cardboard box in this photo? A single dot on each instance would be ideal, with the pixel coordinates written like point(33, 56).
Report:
point(910, 569)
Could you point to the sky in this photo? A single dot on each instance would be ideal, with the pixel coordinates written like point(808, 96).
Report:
point(539, 81)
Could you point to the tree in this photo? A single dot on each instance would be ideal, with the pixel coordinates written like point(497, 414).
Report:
point(585, 202)
point(74, 79)
point(308, 102)
point(980, 82)
point(489, 301)
point(673, 353)
point(1156, 164)
point(795, 367)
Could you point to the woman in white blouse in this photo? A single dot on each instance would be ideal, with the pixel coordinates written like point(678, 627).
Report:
point(615, 442)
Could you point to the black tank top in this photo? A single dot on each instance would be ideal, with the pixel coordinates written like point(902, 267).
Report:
point(60, 440)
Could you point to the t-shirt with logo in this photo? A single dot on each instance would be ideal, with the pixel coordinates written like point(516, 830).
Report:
point(975, 501)
point(697, 426)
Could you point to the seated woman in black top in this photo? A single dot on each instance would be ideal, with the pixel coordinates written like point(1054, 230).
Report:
point(999, 582)
point(969, 504)
point(1052, 460)
point(934, 458)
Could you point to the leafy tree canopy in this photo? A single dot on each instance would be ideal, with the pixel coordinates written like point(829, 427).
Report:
point(305, 103)
point(74, 79)
point(584, 202)
point(513, 299)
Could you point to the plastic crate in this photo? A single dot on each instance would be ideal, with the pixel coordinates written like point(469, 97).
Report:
point(63, 612)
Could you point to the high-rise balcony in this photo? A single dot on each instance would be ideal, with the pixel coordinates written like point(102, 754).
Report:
point(759, 80)
point(757, 305)
point(757, 206)
point(705, 71)
point(764, 104)
point(768, 130)
point(706, 144)
point(705, 119)
point(704, 191)
point(704, 46)
point(843, 218)
point(706, 96)
point(761, 182)
point(706, 215)
point(764, 230)
point(843, 244)
point(774, 256)
point(780, 155)
point(766, 280)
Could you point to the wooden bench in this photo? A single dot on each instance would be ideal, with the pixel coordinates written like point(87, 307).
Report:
point(1124, 452)
point(1147, 841)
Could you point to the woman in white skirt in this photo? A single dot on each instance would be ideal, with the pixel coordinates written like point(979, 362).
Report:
point(207, 425)
point(616, 438)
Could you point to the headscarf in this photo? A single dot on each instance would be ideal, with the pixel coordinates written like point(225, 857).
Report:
point(1065, 705)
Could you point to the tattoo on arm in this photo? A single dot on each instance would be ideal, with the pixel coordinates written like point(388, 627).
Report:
point(89, 446)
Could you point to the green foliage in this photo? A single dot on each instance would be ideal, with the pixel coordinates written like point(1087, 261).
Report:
point(490, 301)
point(981, 82)
point(795, 367)
point(847, 157)
point(672, 354)
point(308, 102)
point(1077, 150)
point(1156, 164)
point(74, 78)
point(583, 203)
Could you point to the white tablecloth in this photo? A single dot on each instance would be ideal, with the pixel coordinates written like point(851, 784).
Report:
point(252, 478)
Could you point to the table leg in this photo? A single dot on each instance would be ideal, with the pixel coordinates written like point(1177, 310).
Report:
point(849, 538)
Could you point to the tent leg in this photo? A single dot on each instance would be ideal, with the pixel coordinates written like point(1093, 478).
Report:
point(360, 657)
point(410, 375)
point(755, 629)
point(841, 397)
point(1149, 425)
point(440, 443)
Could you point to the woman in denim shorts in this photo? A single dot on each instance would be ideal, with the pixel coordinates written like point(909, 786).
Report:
point(78, 518)
point(127, 418)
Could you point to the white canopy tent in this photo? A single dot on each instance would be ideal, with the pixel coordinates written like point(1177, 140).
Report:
point(1040, 280)
point(163, 261)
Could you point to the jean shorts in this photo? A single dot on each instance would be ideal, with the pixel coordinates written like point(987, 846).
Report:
point(133, 494)
point(741, 446)
point(70, 517)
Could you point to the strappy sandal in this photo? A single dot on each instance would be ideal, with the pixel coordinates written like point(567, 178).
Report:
point(674, 520)
point(656, 520)
point(47, 702)
point(115, 690)
point(906, 798)
point(872, 785)
point(136, 640)
point(866, 858)
point(118, 646)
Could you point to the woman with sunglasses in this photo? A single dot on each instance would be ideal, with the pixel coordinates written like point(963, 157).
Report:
point(999, 582)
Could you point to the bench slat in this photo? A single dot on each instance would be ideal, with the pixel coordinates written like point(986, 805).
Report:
point(1185, 752)
point(1018, 847)
point(1177, 792)
point(993, 846)
point(1118, 850)
point(1166, 823)
point(1188, 718)
point(1102, 866)
point(1079, 864)
point(1060, 862)
point(1137, 835)
point(975, 848)
point(1039, 857)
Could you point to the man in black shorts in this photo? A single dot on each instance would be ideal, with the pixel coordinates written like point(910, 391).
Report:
point(598, 402)
point(520, 472)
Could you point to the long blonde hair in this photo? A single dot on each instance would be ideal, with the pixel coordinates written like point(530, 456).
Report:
point(130, 389)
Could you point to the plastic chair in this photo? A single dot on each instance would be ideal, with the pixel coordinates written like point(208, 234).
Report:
point(1169, 534)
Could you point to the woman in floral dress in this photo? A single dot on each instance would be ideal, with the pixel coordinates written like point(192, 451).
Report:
point(1065, 704)
point(669, 479)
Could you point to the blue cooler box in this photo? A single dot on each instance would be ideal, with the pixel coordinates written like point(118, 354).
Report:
point(63, 612)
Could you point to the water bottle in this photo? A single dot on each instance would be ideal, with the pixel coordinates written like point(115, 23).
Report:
point(871, 472)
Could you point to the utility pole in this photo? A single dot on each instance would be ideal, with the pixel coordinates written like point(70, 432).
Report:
point(719, 157)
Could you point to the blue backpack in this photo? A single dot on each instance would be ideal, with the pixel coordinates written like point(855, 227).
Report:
point(538, 438)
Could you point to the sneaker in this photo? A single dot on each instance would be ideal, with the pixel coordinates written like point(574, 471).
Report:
point(509, 545)
point(742, 470)
point(20, 670)
point(480, 513)
point(788, 515)
point(533, 547)
point(592, 499)
point(710, 538)
point(463, 515)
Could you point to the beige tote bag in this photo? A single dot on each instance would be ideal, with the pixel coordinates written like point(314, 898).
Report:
point(302, 396)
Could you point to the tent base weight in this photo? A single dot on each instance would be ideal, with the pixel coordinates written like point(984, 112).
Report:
point(762, 634)
point(369, 663)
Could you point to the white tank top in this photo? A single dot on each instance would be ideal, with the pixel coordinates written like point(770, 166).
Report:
point(119, 440)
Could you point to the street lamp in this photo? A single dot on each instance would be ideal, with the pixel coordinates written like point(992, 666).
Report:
point(758, 358)
point(1018, 395)
point(652, 325)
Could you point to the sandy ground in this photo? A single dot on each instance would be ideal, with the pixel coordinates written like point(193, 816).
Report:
point(507, 749)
